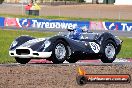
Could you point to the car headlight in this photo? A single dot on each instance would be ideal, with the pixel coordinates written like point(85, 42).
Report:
point(46, 44)
point(14, 43)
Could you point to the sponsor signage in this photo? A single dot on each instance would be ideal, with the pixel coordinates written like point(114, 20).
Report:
point(2, 22)
point(50, 24)
point(10, 22)
point(84, 78)
point(25, 23)
point(123, 26)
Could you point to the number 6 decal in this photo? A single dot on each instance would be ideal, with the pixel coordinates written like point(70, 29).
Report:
point(95, 47)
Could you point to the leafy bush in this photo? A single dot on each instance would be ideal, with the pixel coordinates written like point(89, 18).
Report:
point(1, 1)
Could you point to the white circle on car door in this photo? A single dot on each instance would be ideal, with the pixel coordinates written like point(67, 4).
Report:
point(95, 47)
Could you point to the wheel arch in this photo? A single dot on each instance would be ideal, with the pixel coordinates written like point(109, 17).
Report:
point(64, 40)
point(105, 37)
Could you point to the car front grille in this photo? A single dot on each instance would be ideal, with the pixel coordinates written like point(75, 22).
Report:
point(22, 51)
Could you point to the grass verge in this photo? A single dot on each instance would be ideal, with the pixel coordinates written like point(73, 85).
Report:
point(126, 51)
point(7, 36)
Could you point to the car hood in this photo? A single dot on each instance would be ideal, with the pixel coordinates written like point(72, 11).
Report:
point(32, 42)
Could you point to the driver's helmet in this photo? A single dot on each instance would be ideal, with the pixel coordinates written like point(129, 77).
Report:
point(77, 33)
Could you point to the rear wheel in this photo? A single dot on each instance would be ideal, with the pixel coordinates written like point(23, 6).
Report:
point(60, 52)
point(109, 52)
point(22, 60)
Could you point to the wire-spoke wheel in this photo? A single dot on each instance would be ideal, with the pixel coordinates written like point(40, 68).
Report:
point(109, 54)
point(60, 52)
point(110, 51)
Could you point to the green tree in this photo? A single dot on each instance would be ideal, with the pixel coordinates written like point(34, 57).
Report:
point(1, 1)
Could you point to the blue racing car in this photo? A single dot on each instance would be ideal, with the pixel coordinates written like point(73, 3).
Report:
point(73, 46)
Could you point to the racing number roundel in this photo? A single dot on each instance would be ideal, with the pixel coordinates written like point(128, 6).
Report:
point(94, 46)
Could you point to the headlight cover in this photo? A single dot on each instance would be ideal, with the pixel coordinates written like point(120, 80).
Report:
point(14, 43)
point(46, 44)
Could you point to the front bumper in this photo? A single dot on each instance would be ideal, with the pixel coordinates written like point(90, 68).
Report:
point(31, 54)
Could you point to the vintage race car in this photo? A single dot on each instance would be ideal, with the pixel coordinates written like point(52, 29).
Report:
point(66, 46)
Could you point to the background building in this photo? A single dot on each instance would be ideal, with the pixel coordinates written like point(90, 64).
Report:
point(116, 2)
point(123, 2)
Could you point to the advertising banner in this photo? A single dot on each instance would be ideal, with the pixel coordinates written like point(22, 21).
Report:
point(123, 26)
point(49, 24)
point(10, 22)
point(25, 23)
point(2, 22)
point(96, 25)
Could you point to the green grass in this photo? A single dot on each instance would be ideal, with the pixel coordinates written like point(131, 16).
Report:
point(64, 18)
point(7, 36)
point(126, 51)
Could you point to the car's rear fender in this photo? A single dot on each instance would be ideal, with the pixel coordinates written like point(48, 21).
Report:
point(108, 36)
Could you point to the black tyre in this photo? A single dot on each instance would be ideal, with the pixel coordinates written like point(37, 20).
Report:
point(81, 80)
point(22, 60)
point(109, 52)
point(59, 52)
point(72, 59)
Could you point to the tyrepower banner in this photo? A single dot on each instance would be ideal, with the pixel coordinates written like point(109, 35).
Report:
point(122, 26)
point(43, 23)
point(25, 23)
point(2, 22)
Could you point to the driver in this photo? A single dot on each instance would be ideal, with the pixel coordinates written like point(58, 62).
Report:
point(77, 33)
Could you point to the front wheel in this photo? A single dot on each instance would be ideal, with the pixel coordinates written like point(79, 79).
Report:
point(22, 60)
point(109, 52)
point(60, 52)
